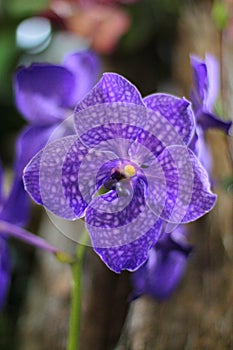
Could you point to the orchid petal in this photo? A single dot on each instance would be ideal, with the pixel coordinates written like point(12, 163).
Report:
point(16, 208)
point(213, 75)
point(80, 175)
point(208, 120)
point(199, 72)
point(85, 66)
point(111, 126)
point(43, 93)
point(111, 88)
point(130, 256)
point(165, 267)
point(47, 174)
point(188, 194)
point(160, 275)
point(176, 110)
point(122, 229)
point(28, 144)
point(203, 151)
point(157, 134)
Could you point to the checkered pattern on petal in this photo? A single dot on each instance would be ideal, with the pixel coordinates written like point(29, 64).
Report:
point(47, 177)
point(106, 123)
point(111, 88)
point(188, 194)
point(176, 110)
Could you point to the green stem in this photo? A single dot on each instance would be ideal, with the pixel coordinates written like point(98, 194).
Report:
point(75, 309)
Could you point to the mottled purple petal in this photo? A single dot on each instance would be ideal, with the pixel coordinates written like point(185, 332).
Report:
point(156, 188)
point(46, 176)
point(130, 256)
point(122, 228)
point(43, 93)
point(122, 239)
point(157, 134)
point(203, 199)
point(5, 271)
point(188, 194)
point(80, 177)
point(111, 88)
point(176, 110)
point(111, 126)
point(146, 148)
point(89, 175)
point(85, 66)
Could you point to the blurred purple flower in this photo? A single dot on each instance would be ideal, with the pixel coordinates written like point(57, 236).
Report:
point(165, 267)
point(5, 270)
point(127, 171)
point(45, 95)
point(14, 209)
point(206, 86)
point(14, 212)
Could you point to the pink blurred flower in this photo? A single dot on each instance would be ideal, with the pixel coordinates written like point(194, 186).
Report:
point(105, 2)
point(99, 21)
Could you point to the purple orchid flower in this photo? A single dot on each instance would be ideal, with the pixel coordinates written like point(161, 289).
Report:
point(165, 267)
point(14, 212)
point(128, 170)
point(46, 94)
point(206, 81)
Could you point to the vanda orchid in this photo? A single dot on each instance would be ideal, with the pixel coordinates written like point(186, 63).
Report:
point(128, 171)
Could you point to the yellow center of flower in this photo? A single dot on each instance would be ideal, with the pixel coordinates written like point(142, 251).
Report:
point(129, 170)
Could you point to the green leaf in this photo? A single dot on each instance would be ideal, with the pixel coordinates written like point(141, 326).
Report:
point(23, 8)
point(8, 54)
